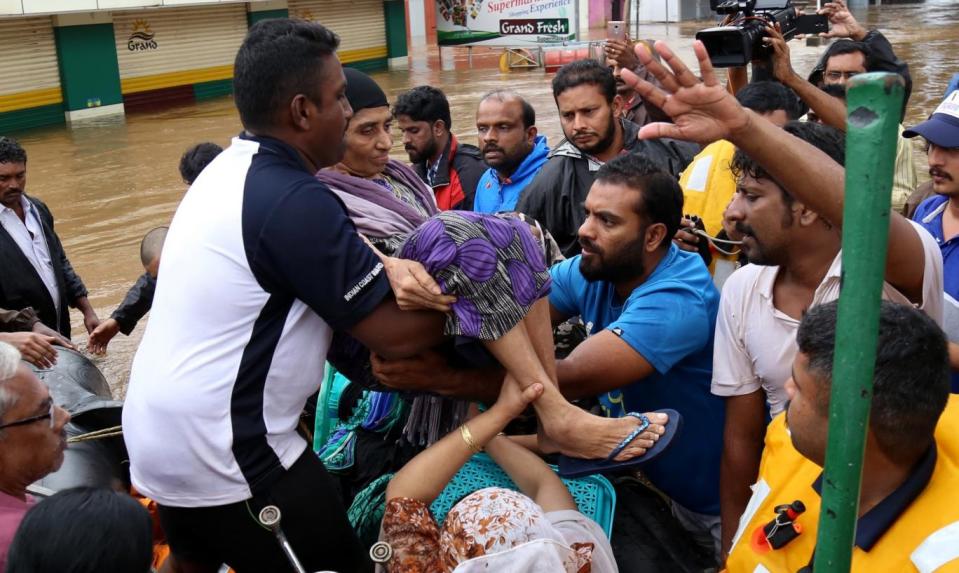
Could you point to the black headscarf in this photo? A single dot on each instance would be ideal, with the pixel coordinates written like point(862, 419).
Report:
point(362, 92)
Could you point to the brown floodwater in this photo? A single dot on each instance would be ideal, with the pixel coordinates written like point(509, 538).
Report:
point(109, 181)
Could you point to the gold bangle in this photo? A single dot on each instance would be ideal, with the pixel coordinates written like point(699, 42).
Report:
point(468, 438)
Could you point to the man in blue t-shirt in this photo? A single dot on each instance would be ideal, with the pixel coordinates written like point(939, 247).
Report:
point(939, 214)
point(650, 309)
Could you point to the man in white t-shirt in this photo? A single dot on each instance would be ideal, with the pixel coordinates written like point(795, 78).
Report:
point(795, 254)
point(260, 265)
point(789, 207)
point(796, 264)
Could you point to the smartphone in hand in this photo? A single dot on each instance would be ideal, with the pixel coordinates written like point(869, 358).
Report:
point(616, 30)
point(812, 24)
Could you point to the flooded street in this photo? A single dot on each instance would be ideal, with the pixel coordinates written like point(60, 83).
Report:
point(109, 181)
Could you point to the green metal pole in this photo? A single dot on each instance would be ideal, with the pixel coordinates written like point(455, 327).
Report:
point(874, 103)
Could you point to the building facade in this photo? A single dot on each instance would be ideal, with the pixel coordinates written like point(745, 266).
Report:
point(67, 60)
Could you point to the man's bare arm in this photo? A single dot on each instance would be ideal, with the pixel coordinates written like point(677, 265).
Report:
point(742, 451)
point(830, 110)
point(430, 371)
point(394, 333)
point(704, 111)
point(603, 362)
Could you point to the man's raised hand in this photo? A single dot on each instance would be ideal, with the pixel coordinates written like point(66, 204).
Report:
point(702, 109)
point(782, 64)
point(842, 24)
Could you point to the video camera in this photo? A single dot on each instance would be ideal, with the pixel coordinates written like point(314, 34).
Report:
point(740, 39)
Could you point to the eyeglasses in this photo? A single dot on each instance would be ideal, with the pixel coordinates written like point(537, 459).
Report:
point(837, 75)
point(33, 419)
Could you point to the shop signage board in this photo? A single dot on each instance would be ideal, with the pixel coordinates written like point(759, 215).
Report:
point(505, 22)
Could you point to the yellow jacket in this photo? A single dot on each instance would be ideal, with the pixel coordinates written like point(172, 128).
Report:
point(708, 184)
point(924, 537)
point(708, 187)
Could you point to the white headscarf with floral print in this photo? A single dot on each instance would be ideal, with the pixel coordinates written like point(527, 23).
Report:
point(496, 529)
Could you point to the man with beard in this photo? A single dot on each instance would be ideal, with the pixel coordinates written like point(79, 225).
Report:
point(796, 264)
point(939, 214)
point(508, 139)
point(452, 169)
point(36, 270)
point(649, 309)
point(795, 252)
point(789, 208)
point(621, 55)
point(585, 94)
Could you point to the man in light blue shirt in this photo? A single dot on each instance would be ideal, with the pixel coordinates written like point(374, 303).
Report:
point(510, 146)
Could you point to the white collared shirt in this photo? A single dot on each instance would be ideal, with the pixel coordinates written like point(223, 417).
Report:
point(755, 342)
point(29, 237)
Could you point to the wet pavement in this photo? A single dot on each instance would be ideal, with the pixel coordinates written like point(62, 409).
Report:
point(109, 181)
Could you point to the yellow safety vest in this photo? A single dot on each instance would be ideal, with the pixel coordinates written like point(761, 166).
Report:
point(708, 184)
point(924, 538)
point(708, 187)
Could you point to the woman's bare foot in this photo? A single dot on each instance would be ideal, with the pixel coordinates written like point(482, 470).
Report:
point(579, 434)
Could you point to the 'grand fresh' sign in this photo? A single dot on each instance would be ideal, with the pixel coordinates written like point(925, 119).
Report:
point(505, 22)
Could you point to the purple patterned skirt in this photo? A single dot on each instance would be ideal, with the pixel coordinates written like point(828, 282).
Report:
point(491, 263)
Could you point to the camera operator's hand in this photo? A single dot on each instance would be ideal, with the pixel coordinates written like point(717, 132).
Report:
point(621, 52)
point(782, 65)
point(842, 24)
point(702, 110)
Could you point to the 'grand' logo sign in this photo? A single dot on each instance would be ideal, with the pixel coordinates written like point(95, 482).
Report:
point(142, 37)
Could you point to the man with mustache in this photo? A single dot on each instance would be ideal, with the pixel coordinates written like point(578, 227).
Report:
point(649, 309)
point(939, 214)
point(36, 271)
point(796, 264)
point(451, 168)
point(788, 207)
point(620, 55)
point(515, 153)
point(589, 110)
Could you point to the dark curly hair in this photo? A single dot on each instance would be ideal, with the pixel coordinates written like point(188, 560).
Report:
point(424, 103)
point(11, 151)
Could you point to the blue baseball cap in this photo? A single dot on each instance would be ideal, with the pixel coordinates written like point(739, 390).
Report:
point(942, 129)
point(953, 85)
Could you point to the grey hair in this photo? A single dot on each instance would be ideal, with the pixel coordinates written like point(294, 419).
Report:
point(9, 363)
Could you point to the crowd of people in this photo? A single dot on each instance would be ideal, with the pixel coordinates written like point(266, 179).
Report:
point(652, 299)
